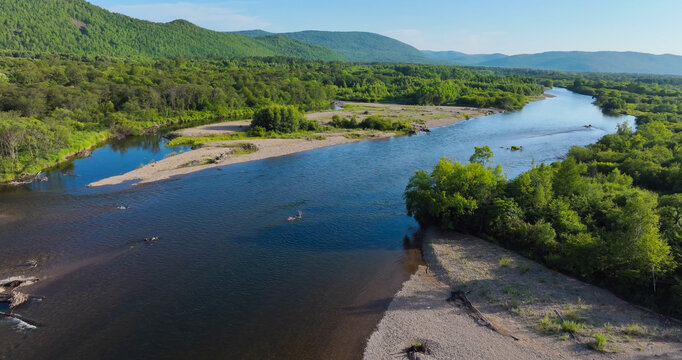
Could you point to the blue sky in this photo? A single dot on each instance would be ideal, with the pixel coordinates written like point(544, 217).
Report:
point(484, 26)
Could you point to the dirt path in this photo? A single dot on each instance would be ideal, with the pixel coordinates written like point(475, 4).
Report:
point(520, 297)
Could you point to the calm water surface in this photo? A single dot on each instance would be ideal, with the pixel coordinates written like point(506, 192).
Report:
point(230, 277)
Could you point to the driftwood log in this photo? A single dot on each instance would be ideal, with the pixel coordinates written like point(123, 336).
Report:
point(9, 294)
point(478, 315)
point(19, 317)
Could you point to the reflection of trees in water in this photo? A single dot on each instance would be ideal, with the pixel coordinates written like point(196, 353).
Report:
point(7, 189)
point(414, 241)
point(56, 181)
point(150, 143)
point(413, 251)
point(68, 169)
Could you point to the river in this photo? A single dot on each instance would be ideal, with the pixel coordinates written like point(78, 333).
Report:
point(230, 277)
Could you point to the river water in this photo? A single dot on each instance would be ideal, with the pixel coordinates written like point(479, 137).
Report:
point(230, 277)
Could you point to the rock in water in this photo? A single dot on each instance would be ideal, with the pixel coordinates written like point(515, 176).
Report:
point(17, 299)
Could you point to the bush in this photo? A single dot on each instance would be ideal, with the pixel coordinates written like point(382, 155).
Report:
point(341, 123)
point(257, 131)
point(309, 125)
point(377, 122)
point(282, 119)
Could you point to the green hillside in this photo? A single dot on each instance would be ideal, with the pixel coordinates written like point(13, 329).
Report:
point(280, 44)
point(358, 46)
point(78, 27)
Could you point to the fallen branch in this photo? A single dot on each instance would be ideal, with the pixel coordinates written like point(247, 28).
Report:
point(459, 294)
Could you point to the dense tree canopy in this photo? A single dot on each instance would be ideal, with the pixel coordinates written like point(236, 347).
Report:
point(78, 27)
point(611, 213)
point(74, 104)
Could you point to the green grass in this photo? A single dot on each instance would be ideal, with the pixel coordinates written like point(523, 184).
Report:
point(571, 326)
point(599, 343)
point(237, 149)
point(244, 148)
point(552, 325)
point(355, 135)
point(199, 140)
point(506, 262)
point(548, 325)
point(634, 329)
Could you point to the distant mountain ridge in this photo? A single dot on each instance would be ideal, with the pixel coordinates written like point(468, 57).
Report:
point(78, 27)
point(462, 58)
point(599, 61)
point(357, 46)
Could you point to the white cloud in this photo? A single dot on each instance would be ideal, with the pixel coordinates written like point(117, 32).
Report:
point(214, 16)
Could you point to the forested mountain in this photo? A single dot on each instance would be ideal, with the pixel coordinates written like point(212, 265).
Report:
point(358, 46)
point(78, 27)
point(600, 61)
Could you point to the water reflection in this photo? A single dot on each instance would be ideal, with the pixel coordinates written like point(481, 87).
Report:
point(229, 270)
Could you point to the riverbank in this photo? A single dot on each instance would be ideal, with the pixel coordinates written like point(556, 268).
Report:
point(523, 300)
point(220, 153)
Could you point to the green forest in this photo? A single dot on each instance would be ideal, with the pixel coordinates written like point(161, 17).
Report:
point(52, 106)
point(80, 28)
point(609, 214)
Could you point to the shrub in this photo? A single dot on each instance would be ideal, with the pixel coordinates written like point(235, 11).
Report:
point(309, 125)
point(282, 119)
point(342, 123)
point(377, 122)
point(257, 131)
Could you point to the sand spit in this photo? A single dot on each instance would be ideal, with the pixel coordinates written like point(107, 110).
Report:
point(267, 148)
point(218, 154)
point(516, 295)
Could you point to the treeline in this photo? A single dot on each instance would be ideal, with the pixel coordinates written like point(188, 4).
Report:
point(51, 106)
point(610, 214)
point(652, 155)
